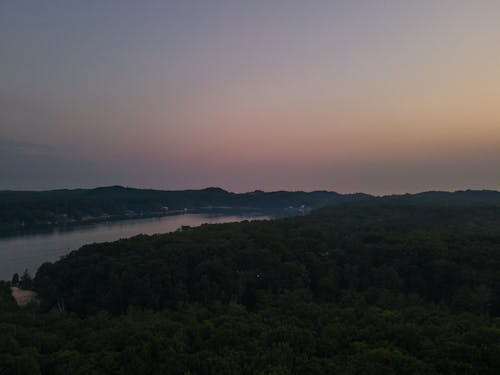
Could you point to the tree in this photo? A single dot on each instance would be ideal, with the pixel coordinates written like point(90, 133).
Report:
point(26, 281)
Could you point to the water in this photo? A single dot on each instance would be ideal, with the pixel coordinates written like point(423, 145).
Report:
point(30, 251)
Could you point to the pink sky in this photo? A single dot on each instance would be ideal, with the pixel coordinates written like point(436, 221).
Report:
point(379, 97)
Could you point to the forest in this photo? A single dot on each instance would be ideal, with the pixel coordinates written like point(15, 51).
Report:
point(385, 286)
point(28, 211)
point(37, 211)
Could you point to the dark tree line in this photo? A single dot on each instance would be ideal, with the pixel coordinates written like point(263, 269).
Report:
point(386, 253)
point(23, 282)
point(363, 288)
point(39, 210)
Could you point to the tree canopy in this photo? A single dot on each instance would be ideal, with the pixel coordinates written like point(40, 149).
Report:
point(361, 288)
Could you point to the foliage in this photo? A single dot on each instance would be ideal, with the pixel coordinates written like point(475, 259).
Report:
point(362, 288)
point(24, 211)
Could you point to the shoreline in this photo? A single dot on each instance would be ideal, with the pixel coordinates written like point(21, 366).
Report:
point(23, 297)
point(47, 228)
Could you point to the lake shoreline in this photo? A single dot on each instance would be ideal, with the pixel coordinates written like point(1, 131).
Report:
point(29, 250)
point(23, 297)
point(77, 224)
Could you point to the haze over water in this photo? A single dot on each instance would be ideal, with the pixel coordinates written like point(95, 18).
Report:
point(372, 96)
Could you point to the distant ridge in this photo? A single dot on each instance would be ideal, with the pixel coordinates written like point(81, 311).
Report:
point(459, 196)
point(21, 210)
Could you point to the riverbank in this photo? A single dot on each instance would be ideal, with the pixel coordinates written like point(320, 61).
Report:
point(23, 297)
point(29, 251)
point(70, 225)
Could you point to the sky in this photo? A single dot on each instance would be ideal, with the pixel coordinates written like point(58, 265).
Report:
point(352, 96)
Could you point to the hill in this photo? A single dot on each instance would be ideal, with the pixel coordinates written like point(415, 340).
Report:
point(35, 210)
point(26, 210)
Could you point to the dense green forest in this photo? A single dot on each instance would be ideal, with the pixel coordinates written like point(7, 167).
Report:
point(376, 287)
point(38, 210)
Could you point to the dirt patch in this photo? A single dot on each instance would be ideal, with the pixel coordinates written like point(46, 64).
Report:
point(23, 297)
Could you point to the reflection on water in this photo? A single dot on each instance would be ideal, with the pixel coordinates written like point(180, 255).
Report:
point(30, 251)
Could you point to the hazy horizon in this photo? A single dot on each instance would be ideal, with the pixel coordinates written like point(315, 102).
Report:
point(375, 97)
point(250, 191)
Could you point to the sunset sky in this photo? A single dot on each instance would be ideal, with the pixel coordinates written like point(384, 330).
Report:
point(373, 96)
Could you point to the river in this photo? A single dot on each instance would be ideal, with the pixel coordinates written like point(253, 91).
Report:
point(31, 250)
